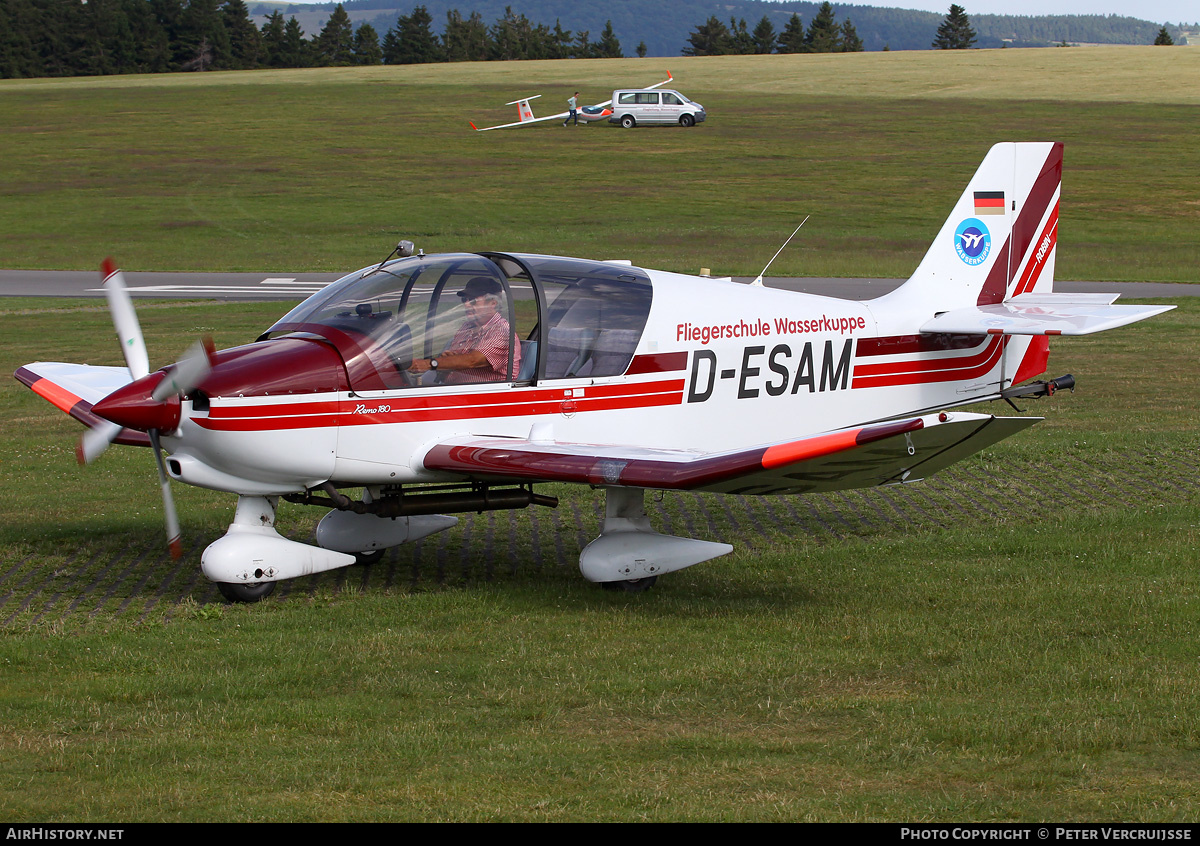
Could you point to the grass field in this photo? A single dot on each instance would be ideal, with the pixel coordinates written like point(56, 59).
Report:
point(1013, 640)
point(324, 169)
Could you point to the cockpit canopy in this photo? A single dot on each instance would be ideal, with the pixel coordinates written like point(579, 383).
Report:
point(563, 318)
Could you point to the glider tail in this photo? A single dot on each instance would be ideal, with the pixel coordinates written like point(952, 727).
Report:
point(524, 110)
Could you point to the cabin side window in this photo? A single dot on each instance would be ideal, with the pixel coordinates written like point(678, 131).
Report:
point(593, 316)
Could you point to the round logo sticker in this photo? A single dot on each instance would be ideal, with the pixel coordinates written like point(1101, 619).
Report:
point(972, 241)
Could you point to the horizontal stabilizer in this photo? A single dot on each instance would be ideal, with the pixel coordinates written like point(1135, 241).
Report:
point(1042, 314)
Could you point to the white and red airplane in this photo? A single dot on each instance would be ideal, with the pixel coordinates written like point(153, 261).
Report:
point(586, 114)
point(602, 374)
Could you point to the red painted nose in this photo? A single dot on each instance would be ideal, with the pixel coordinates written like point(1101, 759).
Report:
point(134, 408)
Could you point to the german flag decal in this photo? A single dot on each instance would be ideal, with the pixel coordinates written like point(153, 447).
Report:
point(989, 202)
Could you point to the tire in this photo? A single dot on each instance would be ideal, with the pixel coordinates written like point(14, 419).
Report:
point(365, 559)
point(628, 122)
point(687, 120)
point(251, 592)
point(631, 585)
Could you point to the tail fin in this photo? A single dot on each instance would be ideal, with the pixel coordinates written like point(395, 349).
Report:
point(1000, 240)
point(524, 110)
point(991, 269)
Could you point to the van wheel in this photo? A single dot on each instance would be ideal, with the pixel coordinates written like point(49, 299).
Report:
point(628, 122)
point(686, 120)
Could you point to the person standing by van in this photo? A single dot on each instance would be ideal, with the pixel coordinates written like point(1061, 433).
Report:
point(573, 105)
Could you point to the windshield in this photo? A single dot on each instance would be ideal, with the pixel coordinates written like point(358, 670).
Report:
point(389, 322)
point(494, 317)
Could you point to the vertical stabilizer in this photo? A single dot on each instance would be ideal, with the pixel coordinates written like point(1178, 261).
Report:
point(524, 110)
point(1000, 239)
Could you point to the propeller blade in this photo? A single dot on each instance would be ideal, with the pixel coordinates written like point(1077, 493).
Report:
point(173, 535)
point(188, 372)
point(133, 346)
point(95, 441)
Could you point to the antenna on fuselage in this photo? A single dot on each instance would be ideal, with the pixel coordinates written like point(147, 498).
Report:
point(759, 280)
point(404, 249)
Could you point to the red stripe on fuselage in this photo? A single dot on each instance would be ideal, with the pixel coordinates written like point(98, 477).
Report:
point(930, 370)
point(658, 363)
point(927, 364)
point(363, 411)
point(290, 409)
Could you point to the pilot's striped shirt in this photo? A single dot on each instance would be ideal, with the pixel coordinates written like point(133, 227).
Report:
point(491, 339)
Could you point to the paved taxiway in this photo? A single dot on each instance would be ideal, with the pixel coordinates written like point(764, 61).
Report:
point(297, 286)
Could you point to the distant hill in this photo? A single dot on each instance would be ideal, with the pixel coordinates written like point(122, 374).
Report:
point(664, 25)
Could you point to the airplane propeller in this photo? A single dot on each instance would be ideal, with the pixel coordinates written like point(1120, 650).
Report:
point(132, 407)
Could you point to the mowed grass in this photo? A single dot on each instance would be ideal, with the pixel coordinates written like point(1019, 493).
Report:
point(325, 169)
point(1024, 648)
point(1036, 663)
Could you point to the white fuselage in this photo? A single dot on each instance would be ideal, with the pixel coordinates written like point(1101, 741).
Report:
point(725, 366)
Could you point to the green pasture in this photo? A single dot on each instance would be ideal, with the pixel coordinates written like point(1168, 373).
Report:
point(1022, 647)
point(1038, 663)
point(325, 169)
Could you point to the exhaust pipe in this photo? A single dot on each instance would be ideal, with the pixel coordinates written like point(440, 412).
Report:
point(412, 505)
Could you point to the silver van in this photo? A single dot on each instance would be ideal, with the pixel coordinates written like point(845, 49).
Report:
point(644, 105)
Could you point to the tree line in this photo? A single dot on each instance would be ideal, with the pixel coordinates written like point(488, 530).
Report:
point(46, 38)
point(823, 35)
point(664, 25)
point(40, 38)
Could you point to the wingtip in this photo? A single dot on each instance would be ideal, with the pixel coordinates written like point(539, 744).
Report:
point(176, 547)
point(108, 267)
point(79, 456)
point(473, 126)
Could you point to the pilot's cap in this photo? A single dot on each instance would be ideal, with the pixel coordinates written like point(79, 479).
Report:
point(478, 287)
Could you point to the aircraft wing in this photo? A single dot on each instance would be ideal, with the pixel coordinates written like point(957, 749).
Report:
point(75, 388)
point(856, 457)
point(647, 88)
point(1043, 314)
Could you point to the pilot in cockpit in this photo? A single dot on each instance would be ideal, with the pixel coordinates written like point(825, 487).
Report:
point(479, 351)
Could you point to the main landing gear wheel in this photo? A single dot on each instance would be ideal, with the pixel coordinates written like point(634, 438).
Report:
point(365, 559)
point(252, 592)
point(631, 585)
